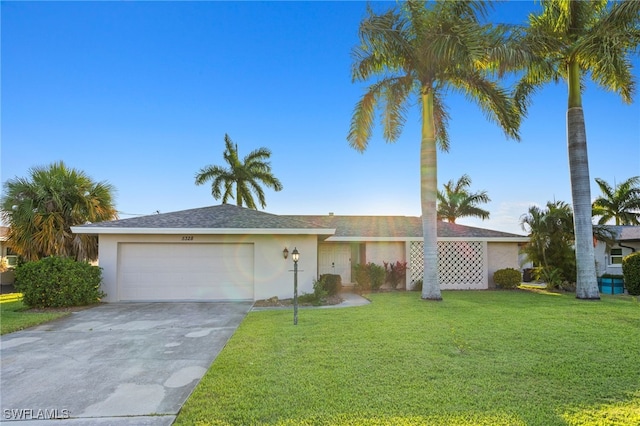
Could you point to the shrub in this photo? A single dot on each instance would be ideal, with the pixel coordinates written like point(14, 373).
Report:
point(368, 276)
point(507, 278)
point(395, 273)
point(309, 298)
point(55, 282)
point(417, 285)
point(553, 278)
point(377, 274)
point(331, 283)
point(362, 279)
point(631, 273)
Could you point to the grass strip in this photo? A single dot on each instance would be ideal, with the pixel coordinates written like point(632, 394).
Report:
point(14, 315)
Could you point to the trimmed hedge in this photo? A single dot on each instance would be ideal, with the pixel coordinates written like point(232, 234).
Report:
point(507, 278)
point(331, 283)
point(631, 273)
point(57, 282)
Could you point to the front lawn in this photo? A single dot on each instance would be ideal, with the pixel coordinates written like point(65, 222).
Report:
point(477, 358)
point(13, 316)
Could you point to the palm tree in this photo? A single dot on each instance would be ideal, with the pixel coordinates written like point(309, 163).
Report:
point(621, 202)
point(570, 41)
point(424, 51)
point(41, 210)
point(245, 175)
point(551, 237)
point(456, 201)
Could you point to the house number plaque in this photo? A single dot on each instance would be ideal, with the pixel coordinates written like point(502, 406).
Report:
point(187, 238)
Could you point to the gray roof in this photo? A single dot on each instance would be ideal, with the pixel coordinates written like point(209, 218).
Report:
point(623, 232)
point(223, 216)
point(228, 216)
point(396, 226)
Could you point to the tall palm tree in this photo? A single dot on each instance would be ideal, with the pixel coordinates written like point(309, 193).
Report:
point(571, 41)
point(423, 51)
point(245, 176)
point(455, 201)
point(41, 210)
point(621, 202)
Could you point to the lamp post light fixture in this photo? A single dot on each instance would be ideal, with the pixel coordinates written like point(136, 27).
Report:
point(295, 255)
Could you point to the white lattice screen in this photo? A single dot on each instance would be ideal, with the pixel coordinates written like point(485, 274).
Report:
point(460, 263)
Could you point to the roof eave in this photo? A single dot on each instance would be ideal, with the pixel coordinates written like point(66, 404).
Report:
point(201, 231)
point(390, 239)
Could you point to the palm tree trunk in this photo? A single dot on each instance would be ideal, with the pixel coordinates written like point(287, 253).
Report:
point(428, 191)
point(586, 283)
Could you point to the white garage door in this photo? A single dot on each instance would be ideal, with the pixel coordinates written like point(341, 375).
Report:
point(185, 271)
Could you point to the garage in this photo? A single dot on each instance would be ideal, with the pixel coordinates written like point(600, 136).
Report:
point(185, 271)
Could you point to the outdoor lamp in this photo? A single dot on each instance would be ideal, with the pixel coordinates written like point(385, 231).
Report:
point(285, 253)
point(295, 256)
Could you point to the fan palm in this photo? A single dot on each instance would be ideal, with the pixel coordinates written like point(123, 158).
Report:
point(245, 176)
point(570, 41)
point(621, 202)
point(41, 210)
point(456, 201)
point(423, 50)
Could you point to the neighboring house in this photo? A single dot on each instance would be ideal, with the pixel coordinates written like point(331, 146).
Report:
point(626, 240)
point(227, 252)
point(5, 251)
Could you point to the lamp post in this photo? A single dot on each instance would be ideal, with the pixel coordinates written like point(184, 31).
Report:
point(295, 256)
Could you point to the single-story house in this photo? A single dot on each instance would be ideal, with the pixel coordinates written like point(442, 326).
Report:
point(5, 251)
point(226, 252)
point(626, 240)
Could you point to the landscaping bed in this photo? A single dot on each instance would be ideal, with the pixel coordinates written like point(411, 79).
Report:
point(275, 302)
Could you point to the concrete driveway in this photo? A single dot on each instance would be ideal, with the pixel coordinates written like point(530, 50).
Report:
point(115, 364)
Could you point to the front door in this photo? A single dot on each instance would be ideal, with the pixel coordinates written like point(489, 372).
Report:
point(335, 258)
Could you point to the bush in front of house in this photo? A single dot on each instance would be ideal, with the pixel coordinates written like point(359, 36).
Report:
point(395, 273)
point(57, 282)
point(331, 283)
point(417, 285)
point(369, 277)
point(318, 296)
point(507, 278)
point(631, 273)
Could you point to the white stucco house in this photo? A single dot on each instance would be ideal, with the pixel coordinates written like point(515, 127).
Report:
point(226, 252)
point(5, 251)
point(626, 240)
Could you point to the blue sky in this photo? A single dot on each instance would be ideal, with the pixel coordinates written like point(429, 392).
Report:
point(140, 94)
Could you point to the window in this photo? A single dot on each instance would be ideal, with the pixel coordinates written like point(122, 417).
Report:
point(12, 258)
point(616, 256)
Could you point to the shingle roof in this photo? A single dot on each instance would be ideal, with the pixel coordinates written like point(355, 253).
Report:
point(227, 216)
point(223, 216)
point(623, 232)
point(397, 226)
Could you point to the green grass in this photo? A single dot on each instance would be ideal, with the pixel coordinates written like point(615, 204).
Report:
point(13, 316)
point(477, 358)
